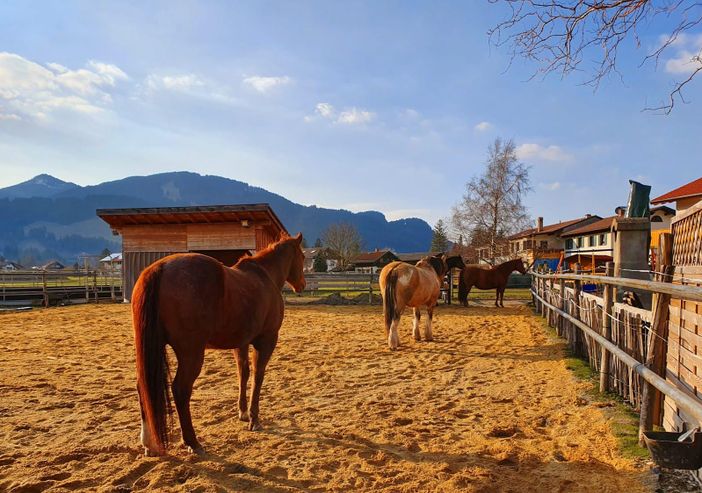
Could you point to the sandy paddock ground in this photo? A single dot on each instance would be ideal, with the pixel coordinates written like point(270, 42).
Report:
point(488, 406)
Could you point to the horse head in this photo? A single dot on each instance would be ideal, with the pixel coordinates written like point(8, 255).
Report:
point(296, 276)
point(520, 267)
point(455, 262)
point(438, 263)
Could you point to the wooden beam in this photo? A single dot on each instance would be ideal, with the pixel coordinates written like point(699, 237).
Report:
point(651, 398)
point(608, 302)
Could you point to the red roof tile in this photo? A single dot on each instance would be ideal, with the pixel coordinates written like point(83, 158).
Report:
point(551, 228)
point(691, 189)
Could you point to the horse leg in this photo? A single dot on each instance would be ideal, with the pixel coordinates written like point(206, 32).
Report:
point(242, 362)
point(189, 366)
point(393, 336)
point(263, 349)
point(502, 297)
point(468, 288)
point(427, 329)
point(415, 326)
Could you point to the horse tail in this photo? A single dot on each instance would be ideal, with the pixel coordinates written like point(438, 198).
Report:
point(462, 291)
point(151, 360)
point(389, 302)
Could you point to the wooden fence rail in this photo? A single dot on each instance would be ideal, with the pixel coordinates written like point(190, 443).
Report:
point(45, 288)
point(626, 345)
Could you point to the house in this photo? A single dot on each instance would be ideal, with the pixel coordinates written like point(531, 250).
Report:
point(223, 232)
point(53, 265)
point(311, 254)
point(661, 218)
point(545, 242)
point(684, 197)
point(414, 257)
point(591, 245)
point(112, 262)
point(372, 262)
point(10, 266)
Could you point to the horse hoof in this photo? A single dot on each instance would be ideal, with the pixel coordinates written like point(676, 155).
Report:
point(255, 426)
point(151, 453)
point(244, 416)
point(429, 339)
point(196, 450)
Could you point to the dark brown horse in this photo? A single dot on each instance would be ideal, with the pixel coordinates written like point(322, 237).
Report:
point(192, 302)
point(487, 278)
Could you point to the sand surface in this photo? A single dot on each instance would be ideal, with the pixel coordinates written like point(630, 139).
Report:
point(488, 406)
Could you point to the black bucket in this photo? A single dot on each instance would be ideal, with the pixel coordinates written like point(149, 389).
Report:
point(668, 452)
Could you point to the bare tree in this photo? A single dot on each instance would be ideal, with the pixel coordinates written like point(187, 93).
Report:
point(562, 34)
point(492, 208)
point(344, 240)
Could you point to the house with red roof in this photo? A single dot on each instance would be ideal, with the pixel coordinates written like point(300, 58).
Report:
point(684, 197)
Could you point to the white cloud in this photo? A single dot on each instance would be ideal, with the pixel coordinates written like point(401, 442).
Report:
point(30, 89)
point(9, 116)
point(179, 83)
point(355, 116)
point(266, 84)
point(538, 152)
point(483, 126)
point(686, 57)
point(551, 186)
point(351, 116)
point(325, 110)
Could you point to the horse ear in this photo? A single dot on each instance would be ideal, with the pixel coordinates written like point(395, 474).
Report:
point(299, 238)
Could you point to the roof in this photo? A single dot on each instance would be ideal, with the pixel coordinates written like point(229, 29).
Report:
point(113, 257)
point(199, 214)
point(311, 253)
point(371, 257)
point(549, 229)
point(408, 257)
point(692, 189)
point(663, 208)
point(602, 225)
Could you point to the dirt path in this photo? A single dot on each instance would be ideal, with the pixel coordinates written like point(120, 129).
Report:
point(488, 406)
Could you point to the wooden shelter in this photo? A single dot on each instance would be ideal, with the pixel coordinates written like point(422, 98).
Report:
point(224, 232)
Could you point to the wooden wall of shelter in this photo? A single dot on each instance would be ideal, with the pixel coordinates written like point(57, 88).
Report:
point(684, 354)
point(225, 233)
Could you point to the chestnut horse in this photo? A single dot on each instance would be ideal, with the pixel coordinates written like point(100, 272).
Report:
point(419, 285)
point(192, 302)
point(488, 278)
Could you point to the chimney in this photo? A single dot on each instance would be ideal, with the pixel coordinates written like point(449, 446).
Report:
point(539, 224)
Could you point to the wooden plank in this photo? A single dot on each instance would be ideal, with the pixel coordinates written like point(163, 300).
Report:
point(687, 315)
point(220, 236)
point(164, 237)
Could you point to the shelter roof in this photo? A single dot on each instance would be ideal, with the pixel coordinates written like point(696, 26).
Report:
point(550, 228)
point(371, 257)
point(692, 189)
point(602, 225)
point(200, 214)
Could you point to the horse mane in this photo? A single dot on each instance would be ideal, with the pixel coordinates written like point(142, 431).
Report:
point(437, 263)
point(263, 253)
point(511, 264)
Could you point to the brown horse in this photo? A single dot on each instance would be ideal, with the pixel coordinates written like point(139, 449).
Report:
point(488, 278)
point(192, 302)
point(402, 285)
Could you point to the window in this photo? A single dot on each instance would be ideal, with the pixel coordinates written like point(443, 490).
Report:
point(656, 219)
point(544, 244)
point(569, 244)
point(579, 242)
point(603, 239)
point(593, 241)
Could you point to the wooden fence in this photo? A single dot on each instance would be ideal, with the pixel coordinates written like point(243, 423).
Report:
point(626, 345)
point(47, 288)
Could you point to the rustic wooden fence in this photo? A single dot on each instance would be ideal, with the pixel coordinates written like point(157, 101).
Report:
point(46, 288)
point(626, 345)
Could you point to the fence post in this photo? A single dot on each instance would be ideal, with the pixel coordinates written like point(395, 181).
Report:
point(550, 299)
point(560, 321)
point(607, 304)
point(577, 287)
point(45, 291)
point(370, 289)
point(652, 398)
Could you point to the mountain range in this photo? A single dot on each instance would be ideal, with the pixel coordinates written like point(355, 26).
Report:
point(46, 218)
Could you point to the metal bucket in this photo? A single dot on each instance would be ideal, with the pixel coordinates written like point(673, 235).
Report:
point(668, 452)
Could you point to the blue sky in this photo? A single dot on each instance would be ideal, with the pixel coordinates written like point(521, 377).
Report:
point(359, 105)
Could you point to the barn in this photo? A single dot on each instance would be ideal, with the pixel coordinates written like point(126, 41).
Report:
point(224, 232)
